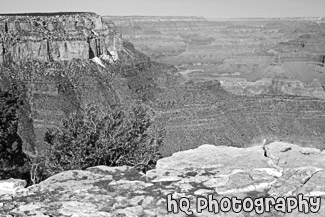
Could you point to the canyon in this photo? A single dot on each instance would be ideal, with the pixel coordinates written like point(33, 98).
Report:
point(248, 56)
point(252, 88)
point(242, 79)
point(64, 61)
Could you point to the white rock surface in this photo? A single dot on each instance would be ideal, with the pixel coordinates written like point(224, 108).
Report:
point(10, 186)
point(282, 170)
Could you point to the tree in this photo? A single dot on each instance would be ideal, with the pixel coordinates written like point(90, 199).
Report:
point(92, 137)
point(12, 157)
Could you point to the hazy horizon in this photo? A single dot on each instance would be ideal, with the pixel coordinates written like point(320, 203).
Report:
point(201, 8)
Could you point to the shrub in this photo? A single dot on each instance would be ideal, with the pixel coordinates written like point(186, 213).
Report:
point(12, 157)
point(92, 137)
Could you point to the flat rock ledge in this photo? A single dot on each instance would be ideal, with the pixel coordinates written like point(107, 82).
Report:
point(273, 170)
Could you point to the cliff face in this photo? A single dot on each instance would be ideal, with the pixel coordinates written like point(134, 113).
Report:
point(65, 61)
point(56, 37)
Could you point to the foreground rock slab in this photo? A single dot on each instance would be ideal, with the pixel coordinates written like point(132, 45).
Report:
point(10, 186)
point(273, 170)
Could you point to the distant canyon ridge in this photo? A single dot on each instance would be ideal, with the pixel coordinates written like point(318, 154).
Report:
point(209, 81)
point(248, 56)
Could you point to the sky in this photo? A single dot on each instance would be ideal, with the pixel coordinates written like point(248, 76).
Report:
point(203, 8)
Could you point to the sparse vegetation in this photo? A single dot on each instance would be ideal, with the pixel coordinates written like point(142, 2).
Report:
point(93, 137)
point(12, 157)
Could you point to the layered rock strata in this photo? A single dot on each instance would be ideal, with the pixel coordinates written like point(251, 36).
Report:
point(56, 37)
point(205, 112)
point(239, 50)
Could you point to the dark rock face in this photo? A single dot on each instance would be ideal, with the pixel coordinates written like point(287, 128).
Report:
point(63, 62)
point(52, 90)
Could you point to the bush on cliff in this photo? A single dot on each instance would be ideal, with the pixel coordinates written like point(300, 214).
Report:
point(92, 137)
point(12, 157)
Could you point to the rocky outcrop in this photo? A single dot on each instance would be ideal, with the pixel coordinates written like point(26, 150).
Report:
point(56, 37)
point(267, 171)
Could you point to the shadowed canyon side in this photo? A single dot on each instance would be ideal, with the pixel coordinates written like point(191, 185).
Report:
point(64, 61)
point(248, 56)
point(49, 55)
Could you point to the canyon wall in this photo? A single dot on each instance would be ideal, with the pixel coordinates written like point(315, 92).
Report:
point(56, 37)
point(206, 113)
point(63, 62)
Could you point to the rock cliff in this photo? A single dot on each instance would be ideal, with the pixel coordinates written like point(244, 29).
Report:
point(64, 61)
point(269, 170)
point(56, 37)
point(43, 53)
